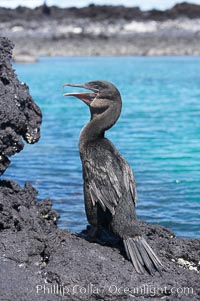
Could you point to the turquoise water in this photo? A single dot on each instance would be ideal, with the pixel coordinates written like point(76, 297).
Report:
point(158, 133)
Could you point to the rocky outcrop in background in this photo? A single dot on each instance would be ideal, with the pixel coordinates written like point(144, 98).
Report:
point(39, 261)
point(20, 117)
point(100, 12)
point(50, 31)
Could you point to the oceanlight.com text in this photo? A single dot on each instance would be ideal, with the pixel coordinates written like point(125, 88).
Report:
point(89, 289)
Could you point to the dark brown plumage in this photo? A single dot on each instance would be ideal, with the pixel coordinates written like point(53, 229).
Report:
point(109, 185)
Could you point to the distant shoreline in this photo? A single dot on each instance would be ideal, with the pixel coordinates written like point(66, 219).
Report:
point(172, 42)
point(35, 59)
point(102, 31)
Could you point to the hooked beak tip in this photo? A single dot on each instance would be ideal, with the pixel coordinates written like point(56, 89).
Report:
point(65, 85)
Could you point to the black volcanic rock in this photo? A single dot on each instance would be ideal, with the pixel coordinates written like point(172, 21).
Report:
point(99, 12)
point(185, 9)
point(24, 226)
point(41, 262)
point(19, 115)
point(103, 12)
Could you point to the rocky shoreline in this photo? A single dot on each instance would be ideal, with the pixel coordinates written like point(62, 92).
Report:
point(52, 31)
point(39, 261)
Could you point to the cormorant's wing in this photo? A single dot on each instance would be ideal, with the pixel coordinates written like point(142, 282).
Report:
point(108, 176)
point(130, 182)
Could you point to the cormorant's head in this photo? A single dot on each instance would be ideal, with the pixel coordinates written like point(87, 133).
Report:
point(104, 95)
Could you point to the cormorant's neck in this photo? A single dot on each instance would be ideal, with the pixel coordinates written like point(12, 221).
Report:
point(96, 128)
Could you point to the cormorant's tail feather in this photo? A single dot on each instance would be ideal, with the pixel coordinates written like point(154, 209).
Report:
point(141, 255)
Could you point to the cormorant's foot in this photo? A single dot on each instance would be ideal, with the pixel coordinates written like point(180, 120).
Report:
point(101, 236)
point(89, 231)
point(84, 234)
point(109, 239)
point(94, 235)
point(92, 231)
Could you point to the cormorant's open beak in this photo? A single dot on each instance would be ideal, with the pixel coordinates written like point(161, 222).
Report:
point(86, 97)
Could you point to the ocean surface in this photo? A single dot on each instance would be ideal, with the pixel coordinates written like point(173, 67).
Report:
point(158, 133)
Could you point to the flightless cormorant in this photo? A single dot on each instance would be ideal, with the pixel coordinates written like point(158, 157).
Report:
point(109, 185)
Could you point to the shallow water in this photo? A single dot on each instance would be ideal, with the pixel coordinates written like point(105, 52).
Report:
point(158, 133)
